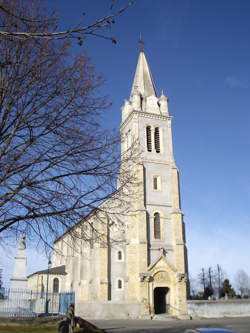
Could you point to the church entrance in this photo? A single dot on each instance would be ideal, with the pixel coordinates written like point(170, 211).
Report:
point(161, 300)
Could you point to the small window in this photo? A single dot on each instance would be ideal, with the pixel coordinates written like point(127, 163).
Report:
point(119, 255)
point(148, 137)
point(55, 285)
point(156, 183)
point(119, 284)
point(157, 226)
point(157, 140)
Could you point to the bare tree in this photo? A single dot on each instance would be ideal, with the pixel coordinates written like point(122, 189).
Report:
point(202, 279)
point(220, 275)
point(79, 31)
point(194, 287)
point(211, 280)
point(57, 164)
point(242, 282)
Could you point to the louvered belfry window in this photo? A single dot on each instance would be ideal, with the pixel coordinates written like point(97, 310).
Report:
point(157, 226)
point(157, 140)
point(149, 139)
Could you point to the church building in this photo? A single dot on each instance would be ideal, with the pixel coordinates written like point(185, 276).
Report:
point(145, 273)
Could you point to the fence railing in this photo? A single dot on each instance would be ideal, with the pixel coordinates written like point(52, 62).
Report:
point(27, 303)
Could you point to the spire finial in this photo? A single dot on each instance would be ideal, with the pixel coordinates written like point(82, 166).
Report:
point(141, 43)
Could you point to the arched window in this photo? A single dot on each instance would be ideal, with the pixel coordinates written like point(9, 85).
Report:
point(55, 285)
point(157, 140)
point(148, 137)
point(119, 284)
point(119, 255)
point(157, 226)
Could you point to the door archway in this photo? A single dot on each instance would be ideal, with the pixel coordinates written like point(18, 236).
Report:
point(161, 300)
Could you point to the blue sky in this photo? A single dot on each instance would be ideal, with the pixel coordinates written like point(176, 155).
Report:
point(198, 52)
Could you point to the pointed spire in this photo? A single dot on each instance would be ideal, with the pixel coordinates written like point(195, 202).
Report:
point(163, 97)
point(143, 82)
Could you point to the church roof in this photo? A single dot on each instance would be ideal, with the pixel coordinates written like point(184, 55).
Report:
point(143, 82)
point(59, 270)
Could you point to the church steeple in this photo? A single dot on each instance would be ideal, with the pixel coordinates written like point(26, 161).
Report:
point(143, 97)
point(143, 83)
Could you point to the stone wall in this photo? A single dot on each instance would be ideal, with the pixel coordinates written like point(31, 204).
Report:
point(219, 309)
point(107, 310)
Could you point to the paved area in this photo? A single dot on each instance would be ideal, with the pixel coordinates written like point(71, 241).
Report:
point(239, 325)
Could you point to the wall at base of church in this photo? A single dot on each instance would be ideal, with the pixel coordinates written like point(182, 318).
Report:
point(219, 309)
point(107, 310)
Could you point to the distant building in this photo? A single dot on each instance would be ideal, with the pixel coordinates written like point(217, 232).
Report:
point(145, 273)
point(37, 281)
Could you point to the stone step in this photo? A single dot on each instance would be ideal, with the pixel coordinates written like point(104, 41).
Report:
point(163, 317)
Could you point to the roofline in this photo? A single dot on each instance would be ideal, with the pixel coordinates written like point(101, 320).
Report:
point(71, 228)
point(44, 271)
point(84, 218)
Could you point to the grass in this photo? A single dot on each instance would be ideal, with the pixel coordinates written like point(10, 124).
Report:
point(18, 328)
point(42, 325)
point(28, 329)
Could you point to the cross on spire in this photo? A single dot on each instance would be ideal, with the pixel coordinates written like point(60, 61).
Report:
point(141, 43)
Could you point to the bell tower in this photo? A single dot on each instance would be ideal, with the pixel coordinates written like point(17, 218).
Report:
point(146, 119)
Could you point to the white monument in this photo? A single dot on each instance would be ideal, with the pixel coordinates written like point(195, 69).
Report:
point(19, 278)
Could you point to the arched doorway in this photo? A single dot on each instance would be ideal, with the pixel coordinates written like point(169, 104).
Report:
point(161, 300)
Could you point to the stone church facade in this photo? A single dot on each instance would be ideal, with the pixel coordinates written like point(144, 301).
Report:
point(145, 273)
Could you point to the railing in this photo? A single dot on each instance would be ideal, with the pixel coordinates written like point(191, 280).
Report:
point(27, 303)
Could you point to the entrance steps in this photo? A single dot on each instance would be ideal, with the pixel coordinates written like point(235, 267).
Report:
point(163, 317)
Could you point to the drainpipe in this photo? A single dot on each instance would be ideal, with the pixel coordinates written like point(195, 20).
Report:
point(108, 259)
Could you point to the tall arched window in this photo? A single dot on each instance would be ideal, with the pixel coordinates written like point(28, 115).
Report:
point(157, 140)
point(157, 226)
point(55, 285)
point(148, 137)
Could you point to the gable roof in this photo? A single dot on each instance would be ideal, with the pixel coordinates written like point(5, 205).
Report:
point(163, 258)
point(59, 270)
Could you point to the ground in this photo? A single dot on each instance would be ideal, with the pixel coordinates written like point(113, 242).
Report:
point(239, 325)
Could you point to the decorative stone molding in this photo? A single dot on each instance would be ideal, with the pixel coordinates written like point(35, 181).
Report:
point(161, 277)
point(182, 277)
point(163, 251)
point(177, 211)
point(144, 114)
point(145, 277)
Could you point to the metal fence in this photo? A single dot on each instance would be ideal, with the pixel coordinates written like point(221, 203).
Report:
point(27, 303)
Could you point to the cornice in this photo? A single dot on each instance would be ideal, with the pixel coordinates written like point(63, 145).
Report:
point(160, 205)
point(145, 161)
point(144, 114)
